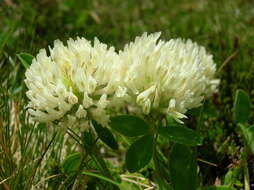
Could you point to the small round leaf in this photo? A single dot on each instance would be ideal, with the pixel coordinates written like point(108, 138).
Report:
point(183, 168)
point(129, 125)
point(181, 135)
point(139, 153)
point(105, 135)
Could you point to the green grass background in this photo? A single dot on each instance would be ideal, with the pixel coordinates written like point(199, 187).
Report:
point(224, 27)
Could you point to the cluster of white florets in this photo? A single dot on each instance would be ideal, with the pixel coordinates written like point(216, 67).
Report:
point(74, 81)
point(84, 81)
point(167, 77)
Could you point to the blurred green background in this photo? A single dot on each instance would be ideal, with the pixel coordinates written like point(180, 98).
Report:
point(224, 27)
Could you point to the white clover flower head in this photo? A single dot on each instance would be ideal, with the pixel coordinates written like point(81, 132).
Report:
point(72, 81)
point(83, 81)
point(166, 77)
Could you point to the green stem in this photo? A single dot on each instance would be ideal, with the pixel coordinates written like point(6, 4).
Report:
point(246, 170)
point(83, 158)
point(96, 155)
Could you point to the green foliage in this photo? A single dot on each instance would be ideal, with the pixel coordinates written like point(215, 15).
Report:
point(128, 125)
point(231, 178)
point(25, 59)
point(216, 188)
point(183, 167)
point(248, 135)
point(181, 135)
point(3, 39)
point(242, 107)
point(163, 185)
point(161, 167)
point(30, 158)
point(71, 163)
point(105, 135)
point(140, 153)
point(128, 186)
point(101, 177)
point(88, 140)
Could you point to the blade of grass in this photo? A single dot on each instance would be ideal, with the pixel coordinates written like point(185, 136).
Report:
point(101, 177)
point(39, 161)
